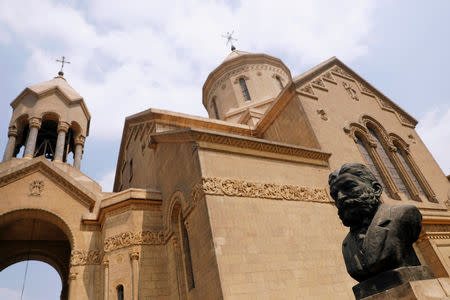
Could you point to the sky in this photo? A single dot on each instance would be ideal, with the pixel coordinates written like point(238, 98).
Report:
point(128, 56)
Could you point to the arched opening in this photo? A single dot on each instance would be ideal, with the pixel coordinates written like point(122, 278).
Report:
point(244, 89)
point(22, 132)
point(46, 283)
point(120, 292)
point(182, 251)
point(27, 235)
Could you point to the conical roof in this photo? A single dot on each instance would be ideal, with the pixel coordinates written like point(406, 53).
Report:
point(234, 54)
point(59, 82)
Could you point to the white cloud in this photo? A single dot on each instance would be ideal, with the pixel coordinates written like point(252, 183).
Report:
point(6, 293)
point(127, 58)
point(107, 181)
point(434, 129)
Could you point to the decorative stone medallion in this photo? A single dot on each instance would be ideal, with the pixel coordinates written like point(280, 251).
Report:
point(36, 187)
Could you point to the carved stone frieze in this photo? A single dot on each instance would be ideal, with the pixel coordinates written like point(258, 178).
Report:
point(364, 89)
point(341, 72)
point(240, 188)
point(329, 77)
point(318, 81)
point(85, 257)
point(307, 89)
point(128, 239)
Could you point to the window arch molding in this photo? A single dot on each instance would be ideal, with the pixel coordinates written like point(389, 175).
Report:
point(242, 81)
point(357, 131)
point(418, 181)
point(393, 146)
point(382, 134)
point(179, 236)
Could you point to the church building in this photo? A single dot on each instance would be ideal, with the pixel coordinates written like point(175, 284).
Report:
point(234, 206)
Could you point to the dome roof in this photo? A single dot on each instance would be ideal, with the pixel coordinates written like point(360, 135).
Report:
point(234, 54)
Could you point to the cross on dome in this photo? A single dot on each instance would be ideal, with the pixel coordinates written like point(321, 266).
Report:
point(62, 61)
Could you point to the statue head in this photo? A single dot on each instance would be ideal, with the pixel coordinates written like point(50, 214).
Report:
point(356, 193)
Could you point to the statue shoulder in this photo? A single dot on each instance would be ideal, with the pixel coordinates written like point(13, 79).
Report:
point(406, 211)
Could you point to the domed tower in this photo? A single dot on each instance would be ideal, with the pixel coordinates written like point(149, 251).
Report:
point(49, 119)
point(242, 88)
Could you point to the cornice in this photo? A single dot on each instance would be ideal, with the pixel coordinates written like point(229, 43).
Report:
point(237, 144)
point(63, 181)
point(130, 199)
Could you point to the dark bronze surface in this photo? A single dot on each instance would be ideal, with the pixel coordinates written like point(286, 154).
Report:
point(381, 235)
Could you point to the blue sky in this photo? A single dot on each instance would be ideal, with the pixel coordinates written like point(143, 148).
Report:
point(128, 56)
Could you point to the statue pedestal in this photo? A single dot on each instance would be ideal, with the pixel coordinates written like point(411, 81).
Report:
point(438, 288)
point(390, 280)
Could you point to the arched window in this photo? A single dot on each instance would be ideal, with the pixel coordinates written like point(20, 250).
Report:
point(187, 257)
point(394, 169)
point(409, 171)
point(244, 89)
point(387, 162)
point(370, 163)
point(279, 82)
point(120, 292)
point(214, 105)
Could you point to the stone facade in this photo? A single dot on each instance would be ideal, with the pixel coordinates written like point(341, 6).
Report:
point(234, 206)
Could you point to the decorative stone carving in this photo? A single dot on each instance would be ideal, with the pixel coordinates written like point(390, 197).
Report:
point(12, 131)
point(63, 126)
point(322, 114)
point(240, 188)
point(329, 77)
point(341, 72)
point(79, 140)
point(128, 239)
point(307, 89)
point(35, 123)
point(105, 262)
point(318, 81)
point(72, 276)
point(411, 137)
point(85, 257)
point(364, 89)
point(134, 254)
point(350, 90)
point(36, 187)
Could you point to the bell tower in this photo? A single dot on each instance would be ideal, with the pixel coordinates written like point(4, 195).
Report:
point(243, 86)
point(49, 119)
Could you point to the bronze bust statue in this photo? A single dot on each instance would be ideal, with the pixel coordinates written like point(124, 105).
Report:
point(381, 235)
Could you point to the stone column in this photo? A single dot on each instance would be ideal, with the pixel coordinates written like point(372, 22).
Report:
point(34, 125)
point(72, 291)
point(9, 151)
point(134, 256)
point(106, 272)
point(79, 143)
point(63, 127)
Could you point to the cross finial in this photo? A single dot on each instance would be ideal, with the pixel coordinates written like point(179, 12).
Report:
point(230, 39)
point(62, 61)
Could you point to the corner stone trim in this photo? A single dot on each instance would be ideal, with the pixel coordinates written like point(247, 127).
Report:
point(127, 239)
point(240, 188)
point(85, 257)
